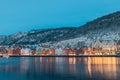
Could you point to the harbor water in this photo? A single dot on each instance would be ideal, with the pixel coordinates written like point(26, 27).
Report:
point(60, 68)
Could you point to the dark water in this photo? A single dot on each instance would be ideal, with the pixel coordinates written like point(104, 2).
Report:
point(30, 68)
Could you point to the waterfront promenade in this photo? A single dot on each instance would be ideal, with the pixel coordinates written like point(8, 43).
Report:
point(62, 55)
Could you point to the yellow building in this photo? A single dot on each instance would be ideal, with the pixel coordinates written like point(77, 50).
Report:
point(105, 47)
point(109, 47)
point(96, 47)
point(118, 46)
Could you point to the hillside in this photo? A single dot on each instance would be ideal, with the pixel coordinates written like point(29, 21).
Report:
point(38, 36)
point(103, 28)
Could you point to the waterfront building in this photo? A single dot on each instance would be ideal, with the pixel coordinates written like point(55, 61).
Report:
point(89, 50)
point(4, 51)
point(25, 51)
point(47, 50)
point(96, 47)
point(51, 51)
point(104, 47)
point(118, 46)
point(58, 51)
point(109, 47)
point(64, 51)
point(39, 51)
point(33, 52)
point(44, 52)
point(71, 51)
point(0, 51)
point(79, 51)
point(10, 51)
point(18, 51)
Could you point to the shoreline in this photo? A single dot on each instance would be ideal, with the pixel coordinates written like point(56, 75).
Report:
point(63, 56)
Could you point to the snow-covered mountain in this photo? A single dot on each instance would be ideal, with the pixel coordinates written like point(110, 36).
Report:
point(37, 36)
point(103, 28)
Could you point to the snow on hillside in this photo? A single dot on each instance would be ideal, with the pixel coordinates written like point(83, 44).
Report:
point(104, 28)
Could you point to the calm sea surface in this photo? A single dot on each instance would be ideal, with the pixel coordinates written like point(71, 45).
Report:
point(58, 68)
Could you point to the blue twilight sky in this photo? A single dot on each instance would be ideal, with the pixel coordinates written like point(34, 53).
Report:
point(24, 15)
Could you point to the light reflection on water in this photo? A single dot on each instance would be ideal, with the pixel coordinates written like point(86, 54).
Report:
point(58, 68)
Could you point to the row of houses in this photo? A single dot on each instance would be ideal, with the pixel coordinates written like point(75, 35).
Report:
point(103, 47)
point(96, 48)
